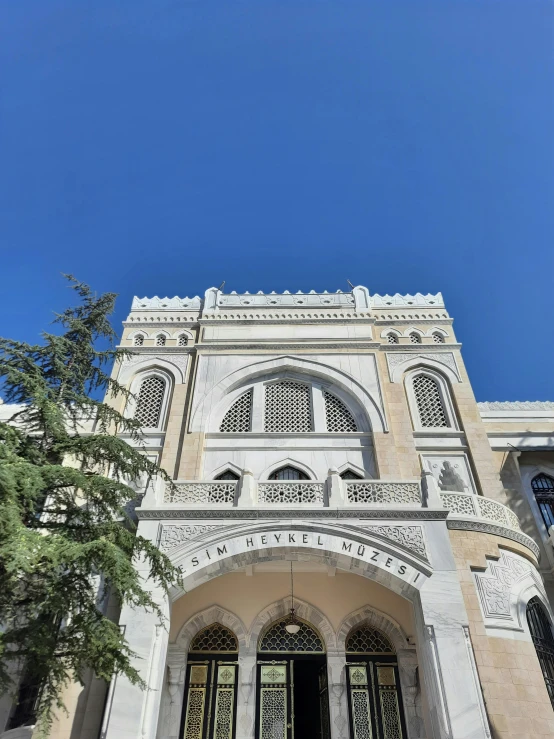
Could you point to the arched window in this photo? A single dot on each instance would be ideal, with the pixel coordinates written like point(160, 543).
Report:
point(338, 417)
point(288, 407)
point(160, 340)
point(429, 402)
point(276, 638)
point(438, 338)
point(365, 639)
point(392, 338)
point(228, 475)
point(150, 401)
point(540, 629)
point(349, 475)
point(182, 340)
point(543, 487)
point(415, 338)
point(138, 340)
point(288, 473)
point(238, 417)
point(215, 638)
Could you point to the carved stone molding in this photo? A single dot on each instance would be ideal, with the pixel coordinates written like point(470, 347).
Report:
point(425, 514)
point(173, 536)
point(408, 537)
point(446, 358)
point(517, 405)
point(180, 361)
point(490, 528)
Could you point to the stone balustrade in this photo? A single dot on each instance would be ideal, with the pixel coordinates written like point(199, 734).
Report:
point(475, 506)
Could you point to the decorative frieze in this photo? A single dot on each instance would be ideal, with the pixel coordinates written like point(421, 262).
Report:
point(173, 536)
point(517, 405)
point(446, 358)
point(409, 537)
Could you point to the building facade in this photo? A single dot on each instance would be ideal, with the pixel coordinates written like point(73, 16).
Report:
point(328, 456)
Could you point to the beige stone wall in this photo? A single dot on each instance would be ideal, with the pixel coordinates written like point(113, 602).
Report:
point(515, 695)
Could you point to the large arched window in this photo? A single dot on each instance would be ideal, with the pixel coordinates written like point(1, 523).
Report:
point(150, 401)
point(540, 629)
point(288, 473)
point(543, 487)
point(238, 417)
point(288, 407)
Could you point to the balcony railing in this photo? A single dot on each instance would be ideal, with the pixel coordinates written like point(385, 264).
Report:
point(475, 506)
point(377, 491)
point(212, 493)
point(298, 492)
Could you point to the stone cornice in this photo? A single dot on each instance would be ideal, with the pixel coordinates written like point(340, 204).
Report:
point(420, 348)
point(285, 320)
point(490, 528)
point(404, 514)
point(277, 347)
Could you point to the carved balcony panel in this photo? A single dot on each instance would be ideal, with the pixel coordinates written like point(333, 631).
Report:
point(210, 493)
point(298, 491)
point(364, 492)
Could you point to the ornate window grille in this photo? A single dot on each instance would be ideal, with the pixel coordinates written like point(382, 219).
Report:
point(288, 407)
point(543, 487)
point(349, 475)
point(415, 338)
point(429, 402)
point(288, 473)
point(228, 475)
point(338, 417)
point(392, 339)
point(150, 401)
point(365, 639)
point(215, 638)
point(540, 629)
point(438, 338)
point(277, 639)
point(238, 417)
point(182, 340)
point(160, 340)
point(138, 340)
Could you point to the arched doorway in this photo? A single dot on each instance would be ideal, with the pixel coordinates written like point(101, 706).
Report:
point(374, 699)
point(209, 708)
point(292, 696)
point(540, 629)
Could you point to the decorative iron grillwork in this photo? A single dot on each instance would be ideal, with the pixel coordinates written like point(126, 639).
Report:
point(288, 407)
point(273, 713)
point(366, 640)
point(278, 639)
point(429, 402)
point(238, 417)
point(149, 402)
point(215, 638)
point(541, 633)
point(543, 487)
point(337, 415)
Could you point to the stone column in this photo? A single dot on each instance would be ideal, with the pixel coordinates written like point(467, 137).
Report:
point(454, 696)
point(176, 670)
point(246, 699)
point(338, 700)
point(133, 711)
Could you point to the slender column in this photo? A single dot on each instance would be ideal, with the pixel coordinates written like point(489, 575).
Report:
point(453, 694)
point(176, 670)
point(246, 699)
point(338, 702)
point(133, 711)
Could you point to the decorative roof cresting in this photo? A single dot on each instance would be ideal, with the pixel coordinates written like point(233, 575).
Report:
point(175, 303)
point(516, 405)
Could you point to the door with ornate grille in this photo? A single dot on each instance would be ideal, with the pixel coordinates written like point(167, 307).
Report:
point(374, 698)
point(275, 715)
point(210, 704)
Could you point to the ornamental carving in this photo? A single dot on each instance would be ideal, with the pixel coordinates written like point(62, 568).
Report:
point(178, 360)
point(172, 536)
point(409, 537)
point(445, 358)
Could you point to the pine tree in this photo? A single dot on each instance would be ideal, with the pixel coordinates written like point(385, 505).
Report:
point(63, 495)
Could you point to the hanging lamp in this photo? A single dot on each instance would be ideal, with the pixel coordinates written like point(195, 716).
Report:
point(292, 625)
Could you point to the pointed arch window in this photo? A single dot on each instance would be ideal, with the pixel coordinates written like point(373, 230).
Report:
point(228, 475)
point(365, 639)
point(276, 638)
point(239, 416)
point(138, 340)
point(438, 338)
point(392, 339)
point(215, 638)
point(543, 488)
point(349, 475)
point(540, 629)
point(338, 417)
point(415, 338)
point(288, 473)
point(150, 401)
point(288, 407)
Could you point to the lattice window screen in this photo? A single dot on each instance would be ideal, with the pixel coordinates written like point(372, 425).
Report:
point(138, 340)
point(438, 338)
point(238, 417)
point(429, 402)
point(278, 639)
point(160, 340)
point(288, 407)
point(337, 415)
point(149, 402)
point(182, 340)
point(415, 338)
point(367, 640)
point(392, 338)
point(215, 638)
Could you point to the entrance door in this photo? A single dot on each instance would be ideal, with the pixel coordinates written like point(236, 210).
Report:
point(211, 699)
point(373, 697)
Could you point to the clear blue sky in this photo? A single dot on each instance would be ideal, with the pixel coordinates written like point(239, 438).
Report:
point(163, 146)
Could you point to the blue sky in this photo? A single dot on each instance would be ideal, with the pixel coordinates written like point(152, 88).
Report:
point(163, 146)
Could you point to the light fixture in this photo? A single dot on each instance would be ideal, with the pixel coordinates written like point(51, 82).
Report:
point(292, 625)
